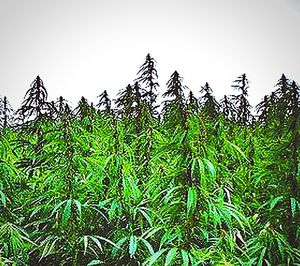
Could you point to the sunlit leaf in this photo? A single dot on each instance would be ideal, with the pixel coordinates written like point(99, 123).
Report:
point(185, 257)
point(154, 257)
point(95, 262)
point(191, 200)
point(274, 201)
point(67, 212)
point(170, 256)
point(293, 206)
point(132, 245)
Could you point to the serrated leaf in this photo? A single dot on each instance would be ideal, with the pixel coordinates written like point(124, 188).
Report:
point(97, 242)
point(148, 246)
point(210, 168)
point(119, 244)
point(107, 161)
point(95, 262)
point(261, 257)
point(153, 258)
point(274, 201)
point(191, 200)
point(150, 232)
point(145, 214)
point(169, 195)
point(57, 207)
point(112, 211)
point(193, 167)
point(165, 238)
point(107, 240)
point(34, 212)
point(183, 136)
point(85, 243)
point(170, 256)
point(238, 149)
point(293, 206)
point(45, 251)
point(48, 249)
point(280, 247)
point(201, 166)
point(103, 203)
point(67, 212)
point(78, 206)
point(185, 257)
point(132, 245)
point(3, 198)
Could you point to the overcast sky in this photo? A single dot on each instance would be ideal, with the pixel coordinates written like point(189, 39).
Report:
point(81, 47)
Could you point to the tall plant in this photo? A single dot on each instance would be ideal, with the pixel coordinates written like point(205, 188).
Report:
point(6, 113)
point(148, 77)
point(35, 106)
point(243, 107)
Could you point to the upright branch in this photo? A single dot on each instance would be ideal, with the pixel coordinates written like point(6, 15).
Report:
point(132, 106)
point(243, 107)
point(293, 107)
point(84, 109)
point(192, 103)
point(105, 102)
point(138, 108)
point(63, 109)
point(283, 98)
point(175, 109)
point(263, 109)
point(148, 76)
point(209, 105)
point(228, 108)
point(6, 112)
point(124, 102)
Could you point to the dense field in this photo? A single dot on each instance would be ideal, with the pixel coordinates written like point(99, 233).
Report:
point(198, 183)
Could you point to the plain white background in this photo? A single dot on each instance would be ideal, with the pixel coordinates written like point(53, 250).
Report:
point(81, 47)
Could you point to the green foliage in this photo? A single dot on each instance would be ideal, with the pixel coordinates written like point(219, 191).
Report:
point(203, 186)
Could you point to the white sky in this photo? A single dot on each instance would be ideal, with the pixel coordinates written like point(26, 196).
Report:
point(81, 47)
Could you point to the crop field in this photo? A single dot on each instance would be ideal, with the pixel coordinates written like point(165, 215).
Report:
point(193, 181)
